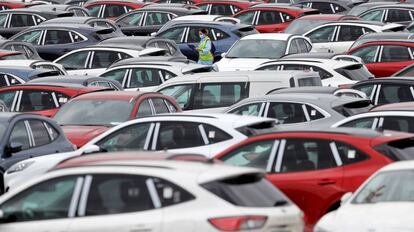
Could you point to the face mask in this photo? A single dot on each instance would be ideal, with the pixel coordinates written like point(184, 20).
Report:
point(201, 36)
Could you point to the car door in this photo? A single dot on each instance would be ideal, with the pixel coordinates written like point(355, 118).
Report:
point(307, 171)
point(345, 37)
point(153, 21)
point(269, 21)
point(392, 58)
point(132, 23)
point(322, 37)
point(76, 63)
point(19, 22)
point(401, 16)
point(118, 202)
point(29, 211)
point(101, 60)
point(369, 55)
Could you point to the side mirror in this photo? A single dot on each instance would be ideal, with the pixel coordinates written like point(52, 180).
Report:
point(223, 54)
point(88, 149)
point(153, 34)
point(14, 147)
point(346, 197)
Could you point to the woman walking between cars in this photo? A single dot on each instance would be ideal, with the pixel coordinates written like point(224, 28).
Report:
point(205, 55)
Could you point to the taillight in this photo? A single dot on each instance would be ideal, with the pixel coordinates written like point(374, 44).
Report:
point(238, 222)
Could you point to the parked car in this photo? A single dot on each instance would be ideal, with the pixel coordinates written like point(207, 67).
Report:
point(147, 20)
point(77, 10)
point(147, 73)
point(89, 115)
point(141, 197)
point(41, 99)
point(14, 75)
point(338, 37)
point(271, 18)
point(87, 81)
point(385, 57)
point(324, 55)
point(24, 69)
point(17, 20)
point(405, 72)
point(357, 10)
point(54, 40)
point(308, 22)
point(185, 34)
point(391, 36)
point(223, 89)
point(336, 91)
point(332, 72)
point(376, 199)
point(25, 48)
point(27, 135)
point(223, 7)
point(301, 108)
point(315, 168)
point(392, 13)
point(329, 6)
point(7, 5)
point(111, 9)
point(387, 90)
point(253, 50)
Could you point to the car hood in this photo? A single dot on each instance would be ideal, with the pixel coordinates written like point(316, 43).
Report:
point(377, 217)
point(80, 135)
point(239, 64)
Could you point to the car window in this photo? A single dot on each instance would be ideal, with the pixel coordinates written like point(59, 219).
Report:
point(172, 107)
point(393, 53)
point(129, 138)
point(181, 93)
point(30, 37)
point(304, 45)
point(104, 59)
point(159, 106)
point(409, 72)
point(337, 8)
point(75, 37)
point(217, 34)
point(307, 155)
point(219, 94)
point(246, 17)
point(367, 53)
point(393, 93)
point(286, 112)
point(221, 9)
point(141, 77)
point(114, 10)
point(193, 36)
point(398, 15)
point(94, 10)
point(53, 133)
point(313, 113)
point(35, 100)
point(256, 154)
point(40, 133)
point(398, 123)
point(173, 135)
point(214, 134)
point(171, 194)
point(323, 7)
point(115, 194)
point(174, 34)
point(144, 109)
point(360, 123)
point(322, 35)
point(21, 20)
point(248, 109)
point(349, 154)
point(156, 18)
point(57, 37)
point(28, 52)
point(79, 12)
point(3, 18)
point(31, 204)
point(367, 89)
point(322, 73)
point(349, 33)
point(269, 17)
point(19, 135)
point(76, 60)
point(294, 48)
point(116, 75)
point(375, 15)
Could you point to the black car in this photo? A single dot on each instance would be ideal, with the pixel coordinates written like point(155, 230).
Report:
point(28, 135)
point(17, 20)
point(149, 19)
point(91, 21)
point(169, 46)
point(54, 40)
point(79, 80)
point(77, 10)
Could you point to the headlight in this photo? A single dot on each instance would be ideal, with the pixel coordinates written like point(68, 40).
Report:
point(19, 166)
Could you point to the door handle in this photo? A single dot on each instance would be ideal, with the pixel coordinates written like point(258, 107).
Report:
point(326, 182)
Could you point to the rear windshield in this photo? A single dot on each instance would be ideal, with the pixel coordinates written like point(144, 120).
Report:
point(356, 72)
point(354, 108)
point(250, 190)
point(309, 81)
point(398, 150)
point(244, 31)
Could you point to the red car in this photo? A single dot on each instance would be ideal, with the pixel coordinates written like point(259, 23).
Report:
point(89, 115)
point(112, 9)
point(4, 5)
point(40, 99)
point(269, 18)
point(384, 58)
point(223, 7)
point(314, 169)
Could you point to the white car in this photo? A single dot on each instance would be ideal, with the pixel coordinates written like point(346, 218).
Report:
point(253, 50)
point(398, 120)
point(337, 37)
point(146, 192)
point(332, 72)
point(384, 203)
point(95, 59)
point(207, 135)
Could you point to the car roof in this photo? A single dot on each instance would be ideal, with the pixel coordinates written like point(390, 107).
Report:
point(401, 106)
point(67, 26)
point(281, 6)
point(129, 40)
point(37, 11)
point(72, 79)
point(311, 55)
point(116, 1)
point(322, 17)
point(357, 22)
point(332, 63)
point(147, 59)
point(7, 116)
point(269, 36)
point(387, 35)
point(390, 5)
point(118, 95)
point(406, 80)
point(308, 89)
point(202, 23)
point(75, 19)
point(4, 52)
point(397, 166)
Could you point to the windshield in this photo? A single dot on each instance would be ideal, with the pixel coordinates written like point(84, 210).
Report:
point(356, 72)
point(392, 186)
point(299, 26)
point(252, 48)
point(94, 112)
point(402, 149)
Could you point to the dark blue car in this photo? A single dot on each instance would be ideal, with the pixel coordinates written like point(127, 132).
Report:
point(27, 135)
point(222, 34)
point(54, 40)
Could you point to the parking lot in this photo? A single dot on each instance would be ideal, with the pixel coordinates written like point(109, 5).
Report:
point(206, 115)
